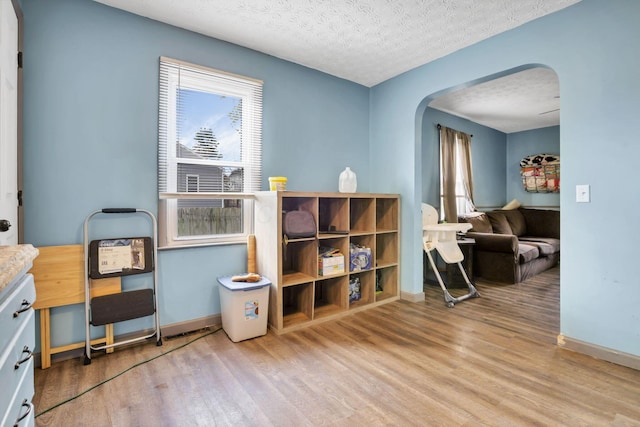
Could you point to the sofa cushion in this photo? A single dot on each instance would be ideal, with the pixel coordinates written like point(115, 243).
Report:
point(499, 222)
point(516, 222)
point(546, 245)
point(527, 252)
point(542, 222)
point(479, 221)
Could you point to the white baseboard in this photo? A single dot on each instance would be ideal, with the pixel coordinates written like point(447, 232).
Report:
point(603, 353)
point(191, 325)
point(171, 330)
point(419, 297)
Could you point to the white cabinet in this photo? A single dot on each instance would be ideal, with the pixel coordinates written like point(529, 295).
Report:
point(17, 342)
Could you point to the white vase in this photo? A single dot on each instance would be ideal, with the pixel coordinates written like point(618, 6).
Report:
point(347, 182)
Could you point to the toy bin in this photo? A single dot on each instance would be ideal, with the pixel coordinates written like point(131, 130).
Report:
point(244, 308)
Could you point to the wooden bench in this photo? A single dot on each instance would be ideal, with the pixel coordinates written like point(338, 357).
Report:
point(60, 280)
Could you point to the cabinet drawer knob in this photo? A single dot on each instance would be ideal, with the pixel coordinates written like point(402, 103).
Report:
point(26, 305)
point(25, 404)
point(25, 359)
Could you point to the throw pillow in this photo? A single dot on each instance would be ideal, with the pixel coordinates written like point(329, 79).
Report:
point(499, 222)
point(514, 204)
point(479, 222)
point(516, 221)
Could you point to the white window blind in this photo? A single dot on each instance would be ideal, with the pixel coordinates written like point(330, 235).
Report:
point(209, 154)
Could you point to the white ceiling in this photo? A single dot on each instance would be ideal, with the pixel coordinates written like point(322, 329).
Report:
point(522, 101)
point(366, 42)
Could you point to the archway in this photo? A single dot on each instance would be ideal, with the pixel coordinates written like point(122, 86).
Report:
point(496, 156)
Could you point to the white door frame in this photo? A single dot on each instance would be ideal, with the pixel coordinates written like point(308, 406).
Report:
point(10, 123)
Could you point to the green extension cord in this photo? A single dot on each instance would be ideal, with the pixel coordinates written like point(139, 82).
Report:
point(124, 372)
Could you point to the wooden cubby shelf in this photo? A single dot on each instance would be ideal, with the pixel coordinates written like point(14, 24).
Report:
point(297, 304)
point(300, 296)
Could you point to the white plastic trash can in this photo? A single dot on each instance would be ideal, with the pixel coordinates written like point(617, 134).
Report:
point(244, 307)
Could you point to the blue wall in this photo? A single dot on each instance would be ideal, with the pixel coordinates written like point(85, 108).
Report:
point(521, 144)
point(590, 47)
point(488, 151)
point(90, 137)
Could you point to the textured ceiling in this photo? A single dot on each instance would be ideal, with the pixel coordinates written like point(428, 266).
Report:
point(364, 41)
point(522, 101)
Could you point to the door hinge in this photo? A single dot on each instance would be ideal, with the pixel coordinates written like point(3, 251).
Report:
point(19, 197)
point(19, 59)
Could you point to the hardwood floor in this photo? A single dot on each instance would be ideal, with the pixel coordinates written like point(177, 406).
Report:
point(488, 361)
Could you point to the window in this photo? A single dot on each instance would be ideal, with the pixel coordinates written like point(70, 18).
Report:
point(209, 154)
point(193, 183)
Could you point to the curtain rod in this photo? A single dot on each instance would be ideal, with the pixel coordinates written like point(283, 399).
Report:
point(439, 126)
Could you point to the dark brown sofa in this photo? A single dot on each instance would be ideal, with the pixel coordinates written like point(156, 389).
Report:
point(514, 245)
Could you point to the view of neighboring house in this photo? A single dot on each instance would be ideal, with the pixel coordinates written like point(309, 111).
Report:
point(195, 176)
point(198, 178)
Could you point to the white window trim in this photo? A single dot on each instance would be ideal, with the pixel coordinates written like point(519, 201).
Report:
point(250, 90)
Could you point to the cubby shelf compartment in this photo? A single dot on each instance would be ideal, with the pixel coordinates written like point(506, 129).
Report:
point(299, 296)
point(297, 304)
point(386, 283)
point(367, 288)
point(335, 241)
point(386, 214)
point(331, 296)
point(333, 214)
point(362, 215)
point(299, 256)
point(386, 249)
point(365, 240)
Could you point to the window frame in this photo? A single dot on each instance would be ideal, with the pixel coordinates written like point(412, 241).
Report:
point(175, 74)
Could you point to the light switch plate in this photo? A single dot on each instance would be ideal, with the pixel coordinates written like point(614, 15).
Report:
point(583, 193)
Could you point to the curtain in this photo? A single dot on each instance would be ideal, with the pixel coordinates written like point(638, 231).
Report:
point(448, 173)
point(464, 153)
point(455, 168)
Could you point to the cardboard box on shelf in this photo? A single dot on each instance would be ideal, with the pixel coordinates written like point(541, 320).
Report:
point(328, 265)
